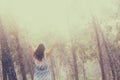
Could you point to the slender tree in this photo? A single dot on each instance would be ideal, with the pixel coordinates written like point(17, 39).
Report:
point(7, 63)
point(75, 63)
point(29, 61)
point(20, 57)
point(101, 62)
point(52, 68)
point(111, 62)
point(83, 62)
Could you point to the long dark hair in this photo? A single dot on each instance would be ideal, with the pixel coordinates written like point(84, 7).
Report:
point(39, 53)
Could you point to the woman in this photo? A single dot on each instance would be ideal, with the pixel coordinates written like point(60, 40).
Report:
point(42, 71)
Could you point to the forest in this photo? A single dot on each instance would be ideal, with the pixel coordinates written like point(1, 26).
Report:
point(87, 36)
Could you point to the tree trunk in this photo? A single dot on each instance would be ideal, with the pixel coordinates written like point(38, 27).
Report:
point(52, 68)
point(75, 64)
point(112, 58)
point(4, 70)
point(83, 63)
point(20, 58)
point(7, 63)
point(99, 52)
point(29, 62)
point(30, 70)
point(111, 62)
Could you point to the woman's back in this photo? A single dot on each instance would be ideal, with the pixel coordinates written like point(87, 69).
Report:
point(41, 70)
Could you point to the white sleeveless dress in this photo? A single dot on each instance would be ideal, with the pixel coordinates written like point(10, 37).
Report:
point(41, 71)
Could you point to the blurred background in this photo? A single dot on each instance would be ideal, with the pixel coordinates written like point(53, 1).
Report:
point(87, 33)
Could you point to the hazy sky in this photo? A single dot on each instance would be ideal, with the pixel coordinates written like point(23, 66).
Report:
point(40, 17)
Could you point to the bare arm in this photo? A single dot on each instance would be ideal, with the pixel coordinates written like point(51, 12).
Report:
point(50, 51)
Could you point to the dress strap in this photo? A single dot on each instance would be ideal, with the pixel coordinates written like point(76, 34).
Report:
point(37, 63)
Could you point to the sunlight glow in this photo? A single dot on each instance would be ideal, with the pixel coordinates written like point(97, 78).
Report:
point(41, 17)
